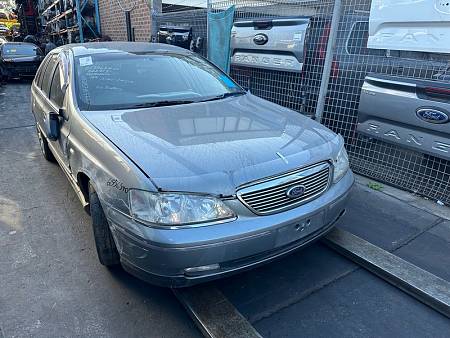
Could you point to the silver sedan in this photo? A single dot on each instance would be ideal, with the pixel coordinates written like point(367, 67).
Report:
point(187, 177)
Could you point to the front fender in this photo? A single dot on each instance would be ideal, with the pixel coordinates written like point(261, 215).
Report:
point(93, 158)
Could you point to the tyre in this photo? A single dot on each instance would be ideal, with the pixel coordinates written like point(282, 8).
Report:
point(104, 241)
point(43, 143)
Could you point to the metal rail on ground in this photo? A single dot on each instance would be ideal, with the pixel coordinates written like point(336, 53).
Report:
point(422, 285)
point(217, 317)
point(214, 315)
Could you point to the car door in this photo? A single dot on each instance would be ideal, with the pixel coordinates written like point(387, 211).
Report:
point(45, 102)
point(56, 104)
point(36, 92)
point(40, 92)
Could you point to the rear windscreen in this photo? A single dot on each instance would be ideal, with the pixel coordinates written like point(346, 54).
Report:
point(20, 50)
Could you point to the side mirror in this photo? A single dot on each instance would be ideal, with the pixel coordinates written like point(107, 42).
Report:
point(53, 130)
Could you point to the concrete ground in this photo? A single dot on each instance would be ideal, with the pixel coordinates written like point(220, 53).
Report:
point(51, 284)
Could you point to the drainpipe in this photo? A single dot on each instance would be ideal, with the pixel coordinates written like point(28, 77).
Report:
point(128, 24)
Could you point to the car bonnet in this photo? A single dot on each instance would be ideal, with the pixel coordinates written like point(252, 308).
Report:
point(215, 147)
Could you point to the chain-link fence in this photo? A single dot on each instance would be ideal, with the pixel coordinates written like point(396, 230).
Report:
point(351, 62)
point(425, 174)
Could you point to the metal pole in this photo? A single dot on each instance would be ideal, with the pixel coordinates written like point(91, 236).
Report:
point(209, 8)
point(79, 22)
point(328, 60)
point(97, 18)
point(155, 10)
point(128, 24)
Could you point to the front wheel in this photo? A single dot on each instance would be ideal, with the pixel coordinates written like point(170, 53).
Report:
point(104, 242)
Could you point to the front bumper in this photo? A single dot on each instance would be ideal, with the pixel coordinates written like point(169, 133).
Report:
point(161, 256)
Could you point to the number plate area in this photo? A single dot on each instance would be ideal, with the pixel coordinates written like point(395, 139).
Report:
point(299, 229)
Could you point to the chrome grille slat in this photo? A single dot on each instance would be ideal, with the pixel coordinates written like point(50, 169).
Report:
point(317, 186)
point(280, 205)
point(282, 189)
point(297, 181)
point(270, 195)
point(280, 200)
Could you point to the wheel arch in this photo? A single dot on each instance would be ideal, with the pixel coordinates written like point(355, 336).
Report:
point(83, 181)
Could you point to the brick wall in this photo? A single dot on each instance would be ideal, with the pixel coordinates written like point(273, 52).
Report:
point(112, 19)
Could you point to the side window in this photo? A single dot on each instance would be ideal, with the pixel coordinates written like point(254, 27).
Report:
point(357, 41)
point(56, 94)
point(41, 71)
point(36, 77)
point(48, 75)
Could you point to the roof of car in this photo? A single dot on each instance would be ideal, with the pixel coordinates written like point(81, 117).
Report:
point(19, 43)
point(89, 48)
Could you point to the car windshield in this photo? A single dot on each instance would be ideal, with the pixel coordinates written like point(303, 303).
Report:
point(124, 81)
point(12, 50)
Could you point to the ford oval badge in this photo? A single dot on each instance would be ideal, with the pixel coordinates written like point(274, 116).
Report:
point(260, 39)
point(295, 191)
point(432, 115)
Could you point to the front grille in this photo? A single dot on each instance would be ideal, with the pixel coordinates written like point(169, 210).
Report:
point(23, 67)
point(271, 195)
point(22, 70)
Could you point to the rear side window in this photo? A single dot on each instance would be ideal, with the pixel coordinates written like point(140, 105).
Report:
point(40, 73)
point(56, 94)
point(357, 41)
point(48, 75)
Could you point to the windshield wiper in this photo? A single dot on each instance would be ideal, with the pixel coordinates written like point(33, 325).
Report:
point(224, 96)
point(159, 104)
point(178, 102)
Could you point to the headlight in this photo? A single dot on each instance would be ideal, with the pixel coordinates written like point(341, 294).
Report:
point(173, 209)
point(341, 165)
